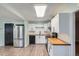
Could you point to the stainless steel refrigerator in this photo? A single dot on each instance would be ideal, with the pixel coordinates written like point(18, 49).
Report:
point(19, 35)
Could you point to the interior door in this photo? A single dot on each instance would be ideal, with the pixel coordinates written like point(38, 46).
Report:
point(8, 34)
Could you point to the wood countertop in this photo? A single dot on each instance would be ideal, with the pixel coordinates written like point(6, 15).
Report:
point(57, 41)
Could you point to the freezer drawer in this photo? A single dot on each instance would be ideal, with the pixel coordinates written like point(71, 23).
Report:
point(18, 43)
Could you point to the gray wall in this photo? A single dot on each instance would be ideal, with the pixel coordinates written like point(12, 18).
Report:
point(72, 33)
point(3, 21)
point(66, 26)
point(64, 23)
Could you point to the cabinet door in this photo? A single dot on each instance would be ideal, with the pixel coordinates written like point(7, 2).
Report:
point(45, 40)
point(61, 50)
point(50, 49)
point(55, 50)
point(37, 39)
point(42, 39)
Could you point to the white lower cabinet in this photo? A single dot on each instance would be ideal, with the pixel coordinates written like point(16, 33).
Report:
point(40, 39)
point(37, 39)
point(50, 49)
point(58, 50)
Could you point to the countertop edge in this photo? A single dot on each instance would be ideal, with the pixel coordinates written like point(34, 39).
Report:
point(62, 44)
point(65, 43)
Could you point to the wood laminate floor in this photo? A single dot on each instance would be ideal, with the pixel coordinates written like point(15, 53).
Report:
point(31, 50)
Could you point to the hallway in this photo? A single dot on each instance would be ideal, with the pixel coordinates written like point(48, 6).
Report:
point(31, 50)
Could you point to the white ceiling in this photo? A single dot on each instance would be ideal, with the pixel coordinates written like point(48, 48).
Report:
point(26, 11)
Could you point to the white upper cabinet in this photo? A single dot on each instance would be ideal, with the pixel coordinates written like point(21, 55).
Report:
point(61, 23)
point(55, 24)
point(39, 27)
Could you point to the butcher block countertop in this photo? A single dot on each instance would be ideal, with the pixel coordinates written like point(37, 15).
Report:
point(57, 41)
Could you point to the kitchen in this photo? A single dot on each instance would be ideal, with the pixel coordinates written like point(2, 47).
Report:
point(52, 34)
point(53, 28)
point(40, 31)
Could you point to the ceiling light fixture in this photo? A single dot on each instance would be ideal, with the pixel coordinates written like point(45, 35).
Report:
point(40, 10)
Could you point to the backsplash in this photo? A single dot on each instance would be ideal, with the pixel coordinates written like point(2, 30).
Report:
point(64, 37)
point(39, 28)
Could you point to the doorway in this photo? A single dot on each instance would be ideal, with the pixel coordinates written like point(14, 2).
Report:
point(77, 33)
point(8, 34)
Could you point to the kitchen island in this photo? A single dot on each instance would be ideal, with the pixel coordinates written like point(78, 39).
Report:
point(58, 47)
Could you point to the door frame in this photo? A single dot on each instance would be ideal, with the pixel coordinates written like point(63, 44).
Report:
point(75, 31)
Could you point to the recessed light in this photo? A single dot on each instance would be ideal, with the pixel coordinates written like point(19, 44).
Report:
point(40, 10)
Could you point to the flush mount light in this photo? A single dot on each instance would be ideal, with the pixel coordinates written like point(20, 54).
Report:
point(40, 10)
